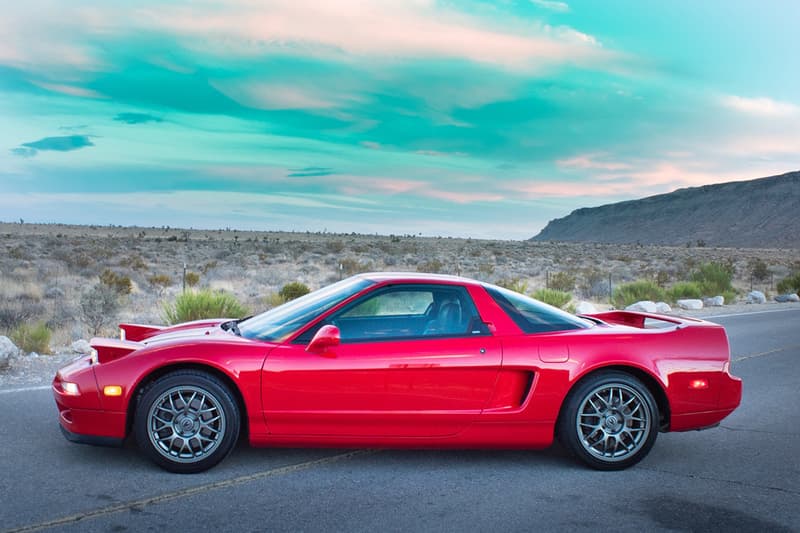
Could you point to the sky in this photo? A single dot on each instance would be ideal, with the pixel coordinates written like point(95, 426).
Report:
point(454, 118)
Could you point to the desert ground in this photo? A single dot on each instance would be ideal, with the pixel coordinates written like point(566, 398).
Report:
point(45, 268)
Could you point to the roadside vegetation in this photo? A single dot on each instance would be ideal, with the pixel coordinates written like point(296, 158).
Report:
point(204, 303)
point(81, 281)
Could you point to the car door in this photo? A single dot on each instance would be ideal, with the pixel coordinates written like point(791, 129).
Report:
point(413, 360)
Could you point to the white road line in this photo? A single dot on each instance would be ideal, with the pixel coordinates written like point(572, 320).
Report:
point(24, 389)
point(712, 317)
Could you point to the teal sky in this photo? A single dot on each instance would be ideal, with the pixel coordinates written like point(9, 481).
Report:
point(463, 118)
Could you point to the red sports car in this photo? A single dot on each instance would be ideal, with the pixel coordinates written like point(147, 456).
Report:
point(401, 360)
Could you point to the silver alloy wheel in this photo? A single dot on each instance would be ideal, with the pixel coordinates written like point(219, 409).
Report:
point(613, 422)
point(186, 424)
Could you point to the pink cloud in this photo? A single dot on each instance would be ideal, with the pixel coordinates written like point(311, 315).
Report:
point(274, 96)
point(591, 161)
point(462, 197)
point(70, 90)
point(379, 29)
point(763, 107)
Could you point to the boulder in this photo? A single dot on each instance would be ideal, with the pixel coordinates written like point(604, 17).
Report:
point(663, 307)
point(756, 297)
point(585, 308)
point(716, 301)
point(791, 297)
point(8, 350)
point(644, 306)
point(81, 346)
point(690, 304)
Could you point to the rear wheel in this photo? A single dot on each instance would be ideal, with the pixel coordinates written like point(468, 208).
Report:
point(609, 421)
point(187, 421)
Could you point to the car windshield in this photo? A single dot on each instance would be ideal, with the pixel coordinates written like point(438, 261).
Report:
point(279, 323)
point(533, 316)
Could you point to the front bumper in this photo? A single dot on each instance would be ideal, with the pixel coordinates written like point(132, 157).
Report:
point(92, 440)
point(80, 414)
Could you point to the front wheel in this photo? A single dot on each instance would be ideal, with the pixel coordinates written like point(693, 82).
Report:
point(609, 421)
point(186, 421)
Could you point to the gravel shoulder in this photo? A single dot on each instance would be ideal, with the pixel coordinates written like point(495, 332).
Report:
point(38, 370)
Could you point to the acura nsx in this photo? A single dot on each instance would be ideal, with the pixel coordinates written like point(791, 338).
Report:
point(401, 360)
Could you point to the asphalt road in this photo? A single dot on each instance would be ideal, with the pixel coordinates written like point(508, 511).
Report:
point(742, 476)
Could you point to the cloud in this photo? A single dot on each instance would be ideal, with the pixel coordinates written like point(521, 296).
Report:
point(437, 153)
point(380, 29)
point(65, 143)
point(308, 172)
point(591, 161)
point(136, 118)
point(561, 7)
point(24, 151)
point(762, 107)
point(271, 96)
point(70, 90)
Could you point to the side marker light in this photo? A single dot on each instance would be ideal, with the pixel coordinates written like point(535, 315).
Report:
point(698, 384)
point(112, 390)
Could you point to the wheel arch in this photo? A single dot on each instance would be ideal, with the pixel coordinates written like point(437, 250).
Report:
point(156, 373)
point(649, 381)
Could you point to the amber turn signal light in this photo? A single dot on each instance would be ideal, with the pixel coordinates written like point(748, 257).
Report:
point(112, 390)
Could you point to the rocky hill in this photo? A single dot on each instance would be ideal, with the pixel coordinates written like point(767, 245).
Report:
point(760, 213)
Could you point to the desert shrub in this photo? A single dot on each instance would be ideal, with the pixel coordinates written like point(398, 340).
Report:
point(434, 266)
point(99, 307)
point(32, 337)
point(730, 296)
point(561, 281)
point(790, 284)
point(685, 289)
point(553, 297)
point(635, 291)
point(292, 290)
point(334, 247)
point(349, 266)
point(119, 282)
point(714, 278)
point(662, 277)
point(486, 269)
point(595, 283)
point(210, 265)
point(15, 311)
point(758, 269)
point(273, 299)
point(514, 284)
point(192, 279)
point(205, 303)
point(159, 281)
point(135, 262)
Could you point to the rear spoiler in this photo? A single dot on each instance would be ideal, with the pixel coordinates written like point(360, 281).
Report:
point(637, 320)
point(141, 332)
point(137, 332)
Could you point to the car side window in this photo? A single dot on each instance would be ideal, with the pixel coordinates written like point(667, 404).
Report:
point(410, 312)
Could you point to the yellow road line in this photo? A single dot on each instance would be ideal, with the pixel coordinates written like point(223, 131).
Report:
point(762, 354)
point(184, 493)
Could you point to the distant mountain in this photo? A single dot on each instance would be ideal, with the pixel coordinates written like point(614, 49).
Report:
point(760, 213)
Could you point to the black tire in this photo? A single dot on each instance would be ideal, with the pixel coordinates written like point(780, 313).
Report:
point(187, 421)
point(609, 421)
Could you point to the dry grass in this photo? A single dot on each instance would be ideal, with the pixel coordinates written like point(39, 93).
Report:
point(45, 268)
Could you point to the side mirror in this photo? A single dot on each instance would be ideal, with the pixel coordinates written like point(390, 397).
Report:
point(326, 338)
